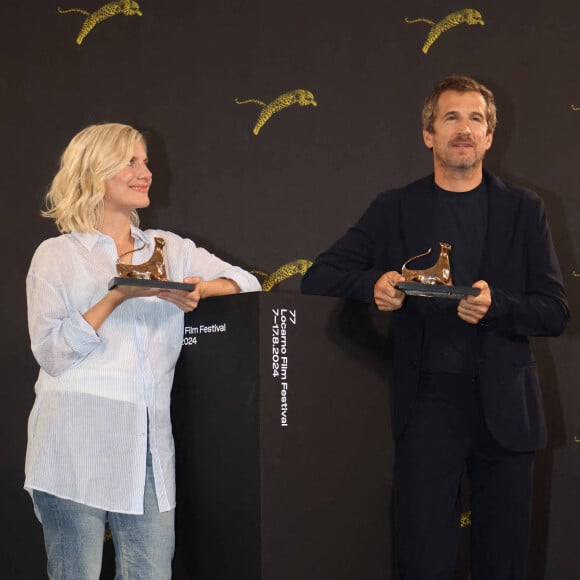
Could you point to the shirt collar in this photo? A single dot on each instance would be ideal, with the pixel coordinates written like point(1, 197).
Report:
point(90, 239)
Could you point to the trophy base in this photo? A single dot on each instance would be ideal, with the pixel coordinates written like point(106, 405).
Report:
point(437, 290)
point(162, 284)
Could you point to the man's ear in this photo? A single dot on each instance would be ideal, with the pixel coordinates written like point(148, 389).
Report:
point(488, 140)
point(428, 138)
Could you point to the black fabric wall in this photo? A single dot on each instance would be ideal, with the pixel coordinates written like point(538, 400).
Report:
point(284, 194)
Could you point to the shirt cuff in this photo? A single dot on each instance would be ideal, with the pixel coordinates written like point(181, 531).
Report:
point(79, 335)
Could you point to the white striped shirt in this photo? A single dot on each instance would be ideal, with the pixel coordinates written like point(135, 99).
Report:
point(87, 432)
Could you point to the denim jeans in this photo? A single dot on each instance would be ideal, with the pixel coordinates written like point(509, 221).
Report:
point(74, 532)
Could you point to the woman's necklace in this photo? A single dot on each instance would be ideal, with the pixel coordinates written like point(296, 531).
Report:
point(129, 252)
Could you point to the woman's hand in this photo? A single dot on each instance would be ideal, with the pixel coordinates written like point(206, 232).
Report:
point(188, 301)
point(183, 299)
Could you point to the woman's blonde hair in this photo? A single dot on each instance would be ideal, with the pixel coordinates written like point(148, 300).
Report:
point(94, 155)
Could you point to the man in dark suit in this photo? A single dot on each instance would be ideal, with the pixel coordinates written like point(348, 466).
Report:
point(465, 393)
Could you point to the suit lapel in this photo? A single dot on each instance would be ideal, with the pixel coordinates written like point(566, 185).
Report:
point(416, 216)
point(499, 231)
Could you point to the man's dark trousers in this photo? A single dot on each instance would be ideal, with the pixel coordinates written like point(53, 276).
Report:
point(446, 434)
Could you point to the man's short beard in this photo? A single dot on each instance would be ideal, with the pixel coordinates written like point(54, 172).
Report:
point(459, 166)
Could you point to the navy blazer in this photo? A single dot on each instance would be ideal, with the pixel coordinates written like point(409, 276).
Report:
point(521, 268)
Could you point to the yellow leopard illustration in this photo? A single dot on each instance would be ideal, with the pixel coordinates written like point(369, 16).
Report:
point(465, 519)
point(467, 16)
point(300, 97)
point(126, 7)
point(282, 273)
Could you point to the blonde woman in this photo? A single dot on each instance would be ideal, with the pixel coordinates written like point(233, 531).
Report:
point(100, 446)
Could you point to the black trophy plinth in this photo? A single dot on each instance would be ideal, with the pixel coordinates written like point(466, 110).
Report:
point(284, 451)
point(437, 290)
point(147, 283)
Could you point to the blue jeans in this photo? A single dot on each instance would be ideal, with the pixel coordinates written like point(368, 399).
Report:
point(74, 532)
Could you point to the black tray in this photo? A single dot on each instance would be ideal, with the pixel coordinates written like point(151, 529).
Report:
point(437, 290)
point(162, 284)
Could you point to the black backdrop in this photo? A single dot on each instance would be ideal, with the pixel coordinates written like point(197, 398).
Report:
point(285, 194)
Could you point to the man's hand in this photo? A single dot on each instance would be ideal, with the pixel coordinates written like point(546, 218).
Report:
point(387, 297)
point(473, 308)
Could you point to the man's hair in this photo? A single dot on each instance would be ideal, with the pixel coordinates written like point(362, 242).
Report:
point(94, 155)
point(460, 84)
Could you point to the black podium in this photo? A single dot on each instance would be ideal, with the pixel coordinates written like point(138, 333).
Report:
point(284, 450)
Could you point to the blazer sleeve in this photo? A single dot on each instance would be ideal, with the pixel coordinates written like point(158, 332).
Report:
point(353, 264)
point(541, 309)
